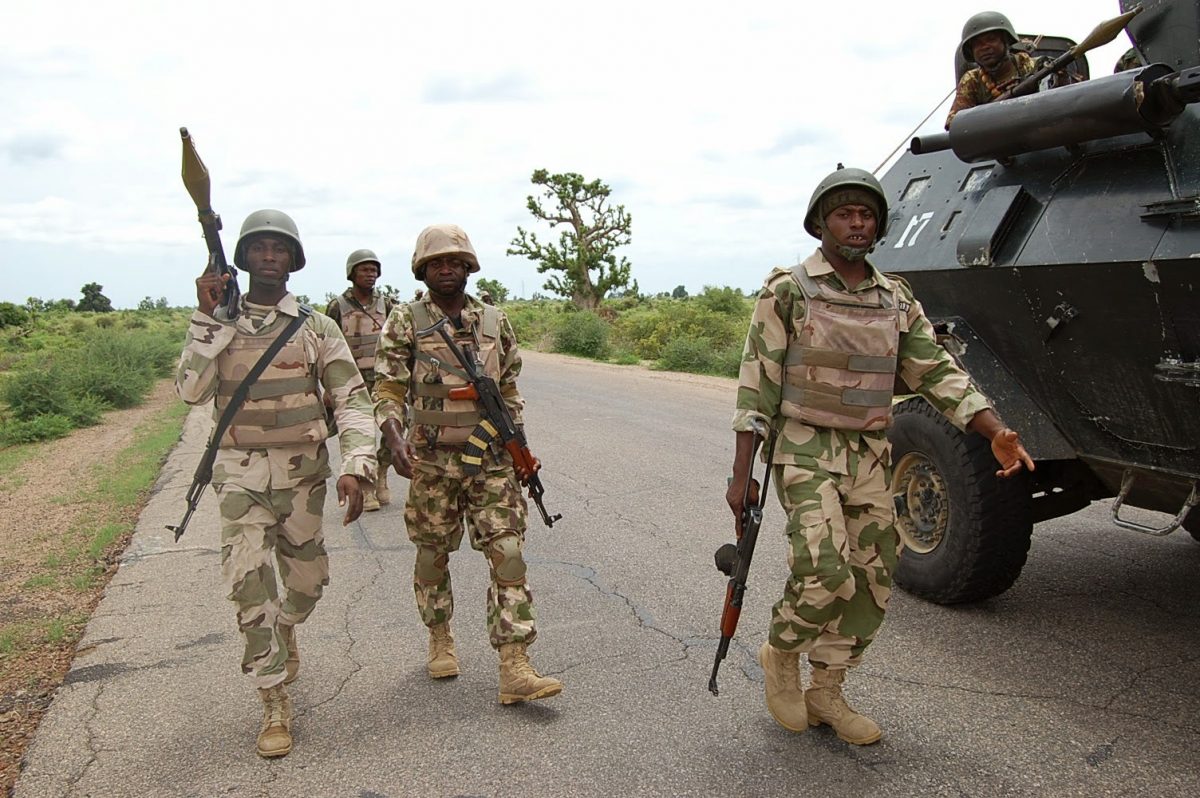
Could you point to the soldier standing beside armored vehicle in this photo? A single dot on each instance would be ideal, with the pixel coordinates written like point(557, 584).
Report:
point(361, 311)
point(827, 340)
point(272, 467)
point(427, 447)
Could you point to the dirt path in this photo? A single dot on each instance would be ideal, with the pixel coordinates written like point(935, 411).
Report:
point(41, 503)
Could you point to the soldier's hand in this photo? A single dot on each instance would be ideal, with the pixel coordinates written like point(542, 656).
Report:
point(524, 474)
point(350, 496)
point(210, 288)
point(1009, 453)
point(403, 456)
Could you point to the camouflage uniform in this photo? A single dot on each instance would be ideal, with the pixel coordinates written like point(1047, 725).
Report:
point(361, 335)
point(977, 87)
point(272, 495)
point(833, 483)
point(441, 494)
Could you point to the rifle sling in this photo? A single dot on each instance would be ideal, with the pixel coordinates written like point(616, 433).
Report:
point(204, 471)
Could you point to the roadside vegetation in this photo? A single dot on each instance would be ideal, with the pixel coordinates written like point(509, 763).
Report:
point(703, 334)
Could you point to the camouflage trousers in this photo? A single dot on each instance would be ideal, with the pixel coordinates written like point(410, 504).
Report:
point(842, 550)
point(260, 532)
point(442, 503)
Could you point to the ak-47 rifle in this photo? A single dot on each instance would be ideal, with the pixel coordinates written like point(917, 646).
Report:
point(734, 560)
point(1102, 34)
point(496, 420)
point(195, 179)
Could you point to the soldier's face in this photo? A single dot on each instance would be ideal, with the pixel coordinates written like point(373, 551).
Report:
point(269, 259)
point(989, 49)
point(364, 276)
point(850, 227)
point(446, 276)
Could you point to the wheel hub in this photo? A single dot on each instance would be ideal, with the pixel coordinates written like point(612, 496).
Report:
point(922, 503)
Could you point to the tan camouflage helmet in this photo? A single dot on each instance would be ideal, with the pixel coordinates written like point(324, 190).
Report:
point(442, 239)
point(362, 256)
point(852, 186)
point(269, 221)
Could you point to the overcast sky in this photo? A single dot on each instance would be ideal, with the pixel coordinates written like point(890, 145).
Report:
point(367, 121)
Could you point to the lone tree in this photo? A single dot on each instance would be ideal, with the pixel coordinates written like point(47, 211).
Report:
point(595, 228)
point(494, 287)
point(93, 299)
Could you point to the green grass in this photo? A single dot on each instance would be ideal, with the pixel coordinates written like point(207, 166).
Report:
point(41, 580)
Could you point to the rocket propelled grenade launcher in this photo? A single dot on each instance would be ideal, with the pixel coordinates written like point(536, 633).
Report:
point(198, 185)
point(496, 420)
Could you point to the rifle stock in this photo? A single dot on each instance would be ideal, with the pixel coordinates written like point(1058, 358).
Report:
point(199, 186)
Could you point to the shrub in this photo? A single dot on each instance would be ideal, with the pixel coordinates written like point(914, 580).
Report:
point(727, 301)
point(698, 356)
point(12, 315)
point(584, 334)
point(39, 428)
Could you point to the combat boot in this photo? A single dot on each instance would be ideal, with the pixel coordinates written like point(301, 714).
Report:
point(292, 664)
point(785, 698)
point(519, 681)
point(275, 737)
point(383, 493)
point(826, 705)
point(443, 660)
point(370, 501)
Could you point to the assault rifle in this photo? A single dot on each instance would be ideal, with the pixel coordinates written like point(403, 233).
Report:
point(195, 179)
point(734, 560)
point(496, 420)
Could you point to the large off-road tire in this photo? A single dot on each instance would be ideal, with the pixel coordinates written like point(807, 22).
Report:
point(965, 531)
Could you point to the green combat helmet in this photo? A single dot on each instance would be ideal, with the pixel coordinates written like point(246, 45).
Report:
point(985, 22)
point(269, 221)
point(361, 256)
point(442, 239)
point(846, 179)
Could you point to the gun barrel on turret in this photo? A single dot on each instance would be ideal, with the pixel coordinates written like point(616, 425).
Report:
point(1145, 100)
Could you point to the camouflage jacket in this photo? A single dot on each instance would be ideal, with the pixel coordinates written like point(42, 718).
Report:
point(923, 364)
point(394, 360)
point(283, 466)
point(976, 88)
point(334, 311)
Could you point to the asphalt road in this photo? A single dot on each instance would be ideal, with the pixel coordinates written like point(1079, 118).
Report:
point(1081, 680)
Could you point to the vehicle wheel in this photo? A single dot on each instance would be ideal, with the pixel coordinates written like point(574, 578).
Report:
point(965, 531)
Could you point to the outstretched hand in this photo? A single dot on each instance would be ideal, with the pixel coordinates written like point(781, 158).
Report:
point(1009, 453)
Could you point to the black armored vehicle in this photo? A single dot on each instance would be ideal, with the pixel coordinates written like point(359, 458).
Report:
point(1054, 240)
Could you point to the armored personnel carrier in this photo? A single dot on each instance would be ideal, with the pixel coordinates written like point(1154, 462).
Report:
point(1054, 239)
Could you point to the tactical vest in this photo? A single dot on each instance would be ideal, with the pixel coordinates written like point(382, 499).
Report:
point(840, 366)
point(283, 407)
point(362, 329)
point(436, 418)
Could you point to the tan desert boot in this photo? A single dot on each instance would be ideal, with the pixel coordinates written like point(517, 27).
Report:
point(826, 705)
point(370, 501)
point(519, 681)
point(275, 738)
point(383, 493)
point(293, 658)
point(785, 699)
point(443, 660)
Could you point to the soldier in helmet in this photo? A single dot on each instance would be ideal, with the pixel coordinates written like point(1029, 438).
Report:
point(272, 467)
point(987, 40)
point(361, 311)
point(427, 447)
point(827, 339)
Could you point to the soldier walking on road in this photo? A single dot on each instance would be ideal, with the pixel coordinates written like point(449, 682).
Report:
point(361, 311)
point(827, 339)
point(427, 447)
point(272, 466)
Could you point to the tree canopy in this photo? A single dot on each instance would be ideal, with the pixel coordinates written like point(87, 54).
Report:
point(93, 299)
point(494, 287)
point(584, 257)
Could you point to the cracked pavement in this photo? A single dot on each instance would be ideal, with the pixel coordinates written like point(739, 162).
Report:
point(1078, 681)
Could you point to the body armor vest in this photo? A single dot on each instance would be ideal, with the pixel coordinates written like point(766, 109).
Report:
point(283, 407)
point(362, 329)
point(840, 366)
point(436, 418)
